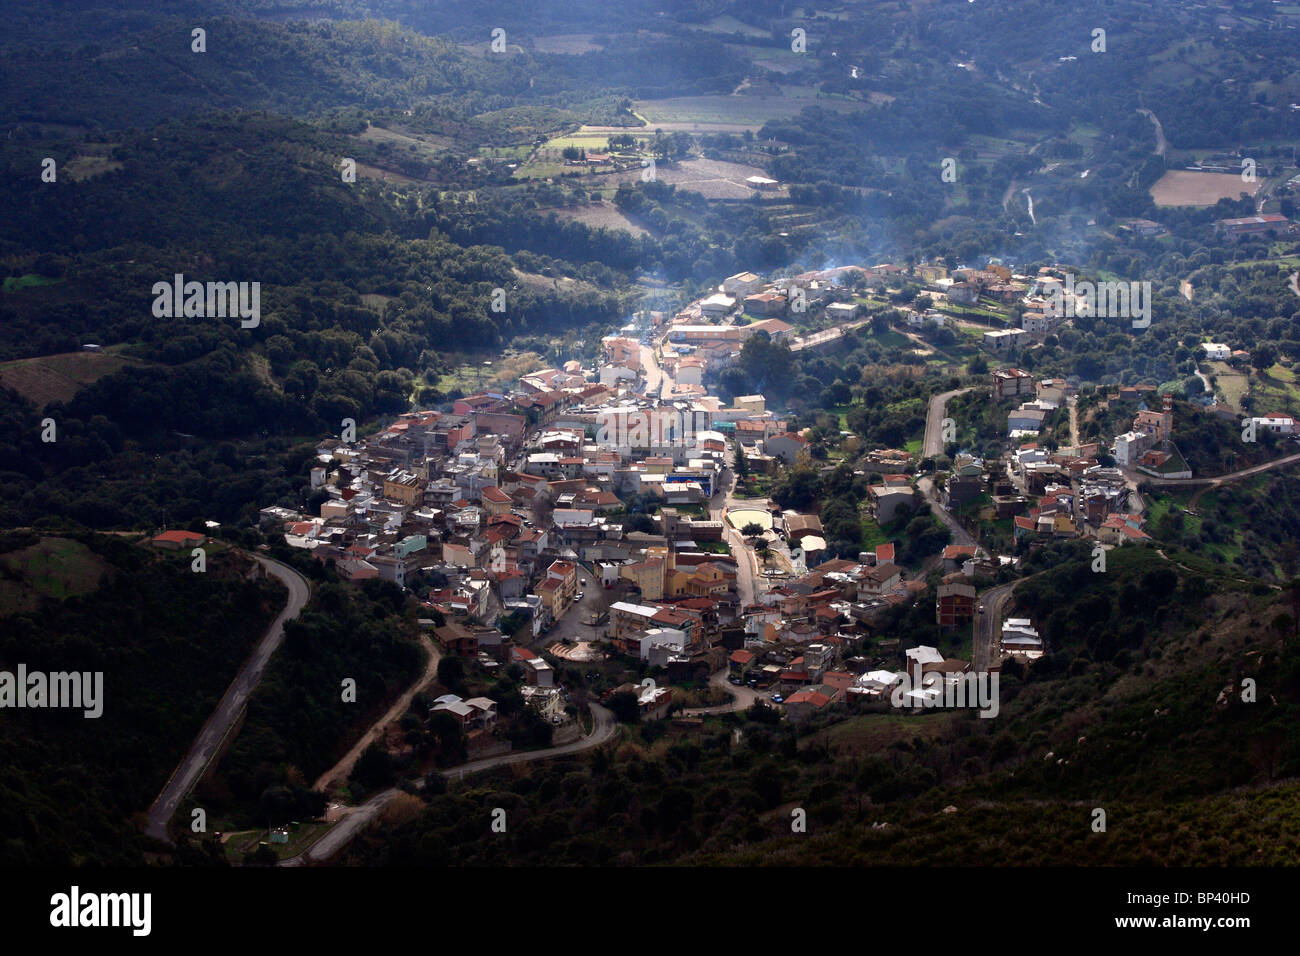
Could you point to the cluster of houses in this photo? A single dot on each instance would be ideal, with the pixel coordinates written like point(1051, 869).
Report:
point(517, 502)
point(1065, 493)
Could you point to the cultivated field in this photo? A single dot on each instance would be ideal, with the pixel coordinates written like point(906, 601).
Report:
point(565, 43)
point(711, 178)
point(56, 378)
point(732, 114)
point(1230, 383)
point(605, 215)
point(1182, 187)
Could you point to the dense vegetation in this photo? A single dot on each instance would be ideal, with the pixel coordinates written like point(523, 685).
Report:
point(168, 642)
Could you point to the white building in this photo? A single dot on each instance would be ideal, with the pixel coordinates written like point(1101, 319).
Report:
point(742, 284)
point(1216, 352)
point(1129, 448)
point(1020, 639)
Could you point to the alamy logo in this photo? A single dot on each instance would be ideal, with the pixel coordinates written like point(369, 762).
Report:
point(60, 689)
point(972, 689)
point(214, 300)
point(650, 428)
point(1124, 300)
point(74, 909)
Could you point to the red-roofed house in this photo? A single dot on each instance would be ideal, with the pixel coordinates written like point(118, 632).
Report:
point(495, 501)
point(739, 661)
point(175, 540)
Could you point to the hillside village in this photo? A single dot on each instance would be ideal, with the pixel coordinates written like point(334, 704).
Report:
point(594, 513)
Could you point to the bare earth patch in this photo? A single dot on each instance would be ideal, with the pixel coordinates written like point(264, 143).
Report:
point(56, 378)
point(604, 215)
point(1183, 187)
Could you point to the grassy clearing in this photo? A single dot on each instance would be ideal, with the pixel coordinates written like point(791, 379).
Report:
point(731, 113)
point(15, 283)
point(1274, 392)
point(56, 568)
point(1232, 384)
point(86, 167)
point(471, 377)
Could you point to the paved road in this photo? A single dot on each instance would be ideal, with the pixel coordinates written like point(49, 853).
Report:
point(825, 336)
point(352, 824)
point(218, 725)
point(959, 534)
point(1214, 482)
point(748, 582)
point(988, 626)
point(742, 697)
point(933, 444)
point(343, 769)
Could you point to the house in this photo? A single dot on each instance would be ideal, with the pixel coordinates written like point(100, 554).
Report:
point(717, 305)
point(1020, 639)
point(765, 304)
point(739, 661)
point(537, 673)
point(176, 540)
point(1026, 419)
point(495, 501)
point(842, 311)
point(404, 486)
point(956, 555)
point(775, 329)
point(955, 604)
point(805, 704)
point(889, 501)
point(787, 446)
point(741, 284)
point(1005, 341)
point(1011, 383)
point(1279, 423)
point(456, 639)
point(1253, 225)
point(558, 589)
point(879, 580)
point(1216, 351)
point(1130, 447)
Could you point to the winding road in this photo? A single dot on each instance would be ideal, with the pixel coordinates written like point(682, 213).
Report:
point(1212, 482)
point(218, 726)
point(355, 821)
point(931, 447)
point(742, 697)
point(343, 769)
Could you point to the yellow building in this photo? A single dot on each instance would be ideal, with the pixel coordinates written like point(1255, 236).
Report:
point(404, 487)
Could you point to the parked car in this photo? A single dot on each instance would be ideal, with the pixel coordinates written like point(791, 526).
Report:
point(778, 699)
